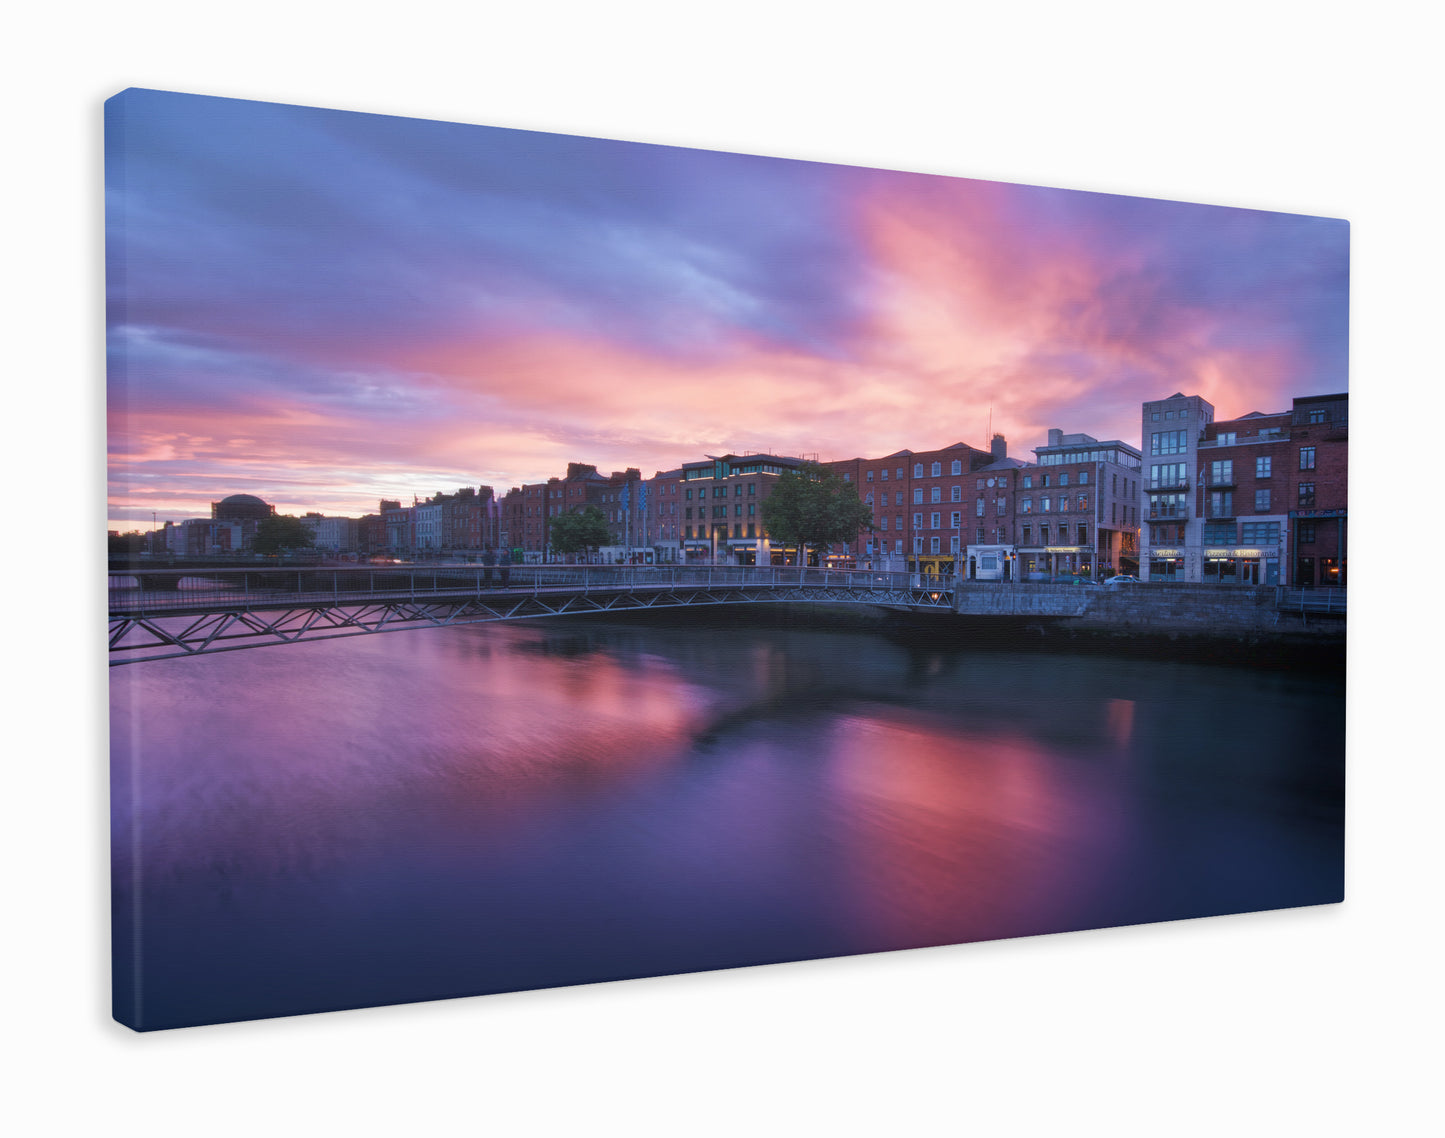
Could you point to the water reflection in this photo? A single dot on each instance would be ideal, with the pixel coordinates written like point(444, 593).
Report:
point(455, 811)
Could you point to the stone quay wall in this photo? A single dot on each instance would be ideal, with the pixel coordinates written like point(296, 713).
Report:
point(1144, 608)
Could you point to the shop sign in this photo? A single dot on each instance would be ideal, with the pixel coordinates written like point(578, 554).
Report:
point(1218, 554)
point(1065, 549)
point(1164, 553)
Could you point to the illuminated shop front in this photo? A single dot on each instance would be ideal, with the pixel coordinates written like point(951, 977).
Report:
point(1241, 566)
point(990, 563)
point(1166, 565)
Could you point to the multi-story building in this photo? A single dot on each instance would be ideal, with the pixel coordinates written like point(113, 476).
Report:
point(662, 514)
point(721, 506)
point(1077, 508)
point(990, 548)
point(1261, 499)
point(1241, 494)
point(400, 530)
point(919, 507)
point(1171, 536)
point(1318, 494)
point(331, 534)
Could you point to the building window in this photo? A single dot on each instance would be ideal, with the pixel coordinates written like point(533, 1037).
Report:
point(936, 494)
point(900, 474)
point(957, 466)
point(918, 470)
point(1261, 501)
point(1259, 533)
point(1317, 415)
point(870, 476)
point(847, 476)
point(1218, 533)
point(1262, 466)
point(1083, 502)
point(1001, 504)
point(1045, 503)
point(1226, 438)
point(1028, 481)
point(955, 493)
point(953, 544)
point(1165, 506)
point(1221, 473)
point(1221, 503)
point(918, 496)
point(1063, 505)
point(937, 469)
point(1083, 478)
point(978, 508)
point(1083, 535)
point(935, 520)
point(1168, 442)
point(1306, 458)
point(883, 522)
point(955, 519)
point(1025, 535)
point(1306, 494)
point(933, 545)
point(980, 533)
point(883, 474)
point(1044, 482)
point(1063, 479)
point(1026, 506)
point(917, 521)
point(1307, 533)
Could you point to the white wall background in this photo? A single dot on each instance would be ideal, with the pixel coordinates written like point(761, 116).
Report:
point(1312, 1021)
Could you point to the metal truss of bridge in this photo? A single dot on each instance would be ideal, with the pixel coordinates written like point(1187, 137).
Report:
point(157, 614)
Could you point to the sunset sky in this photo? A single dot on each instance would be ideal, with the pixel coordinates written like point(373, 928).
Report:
point(326, 308)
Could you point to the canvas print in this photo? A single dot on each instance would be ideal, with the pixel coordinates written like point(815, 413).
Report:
point(540, 560)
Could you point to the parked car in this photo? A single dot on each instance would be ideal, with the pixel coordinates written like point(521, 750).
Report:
point(1122, 579)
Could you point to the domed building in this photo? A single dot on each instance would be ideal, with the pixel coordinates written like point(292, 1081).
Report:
point(241, 508)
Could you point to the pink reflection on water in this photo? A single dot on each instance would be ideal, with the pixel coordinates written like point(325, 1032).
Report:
point(290, 759)
point(957, 837)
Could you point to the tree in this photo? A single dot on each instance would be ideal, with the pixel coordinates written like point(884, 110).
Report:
point(813, 506)
point(281, 532)
point(579, 531)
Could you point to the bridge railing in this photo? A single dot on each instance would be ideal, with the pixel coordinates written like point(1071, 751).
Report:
point(137, 591)
point(1330, 601)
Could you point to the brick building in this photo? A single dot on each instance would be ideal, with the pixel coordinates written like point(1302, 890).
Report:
point(721, 508)
point(1077, 508)
point(919, 507)
point(1261, 499)
point(1318, 495)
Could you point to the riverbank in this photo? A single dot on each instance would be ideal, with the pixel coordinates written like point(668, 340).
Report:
point(1315, 645)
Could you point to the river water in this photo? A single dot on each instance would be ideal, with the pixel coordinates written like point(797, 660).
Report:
point(448, 812)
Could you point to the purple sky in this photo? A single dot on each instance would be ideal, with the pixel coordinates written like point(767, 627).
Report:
point(326, 308)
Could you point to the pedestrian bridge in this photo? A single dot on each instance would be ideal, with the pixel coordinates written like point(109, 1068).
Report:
point(156, 614)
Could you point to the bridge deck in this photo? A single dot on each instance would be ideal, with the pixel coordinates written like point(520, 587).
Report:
point(156, 614)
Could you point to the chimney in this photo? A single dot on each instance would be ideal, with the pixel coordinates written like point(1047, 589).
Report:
point(1056, 437)
point(998, 448)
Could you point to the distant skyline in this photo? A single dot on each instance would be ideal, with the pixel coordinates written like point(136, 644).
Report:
point(326, 308)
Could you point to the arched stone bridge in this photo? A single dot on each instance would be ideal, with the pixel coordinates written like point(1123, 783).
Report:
point(158, 614)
